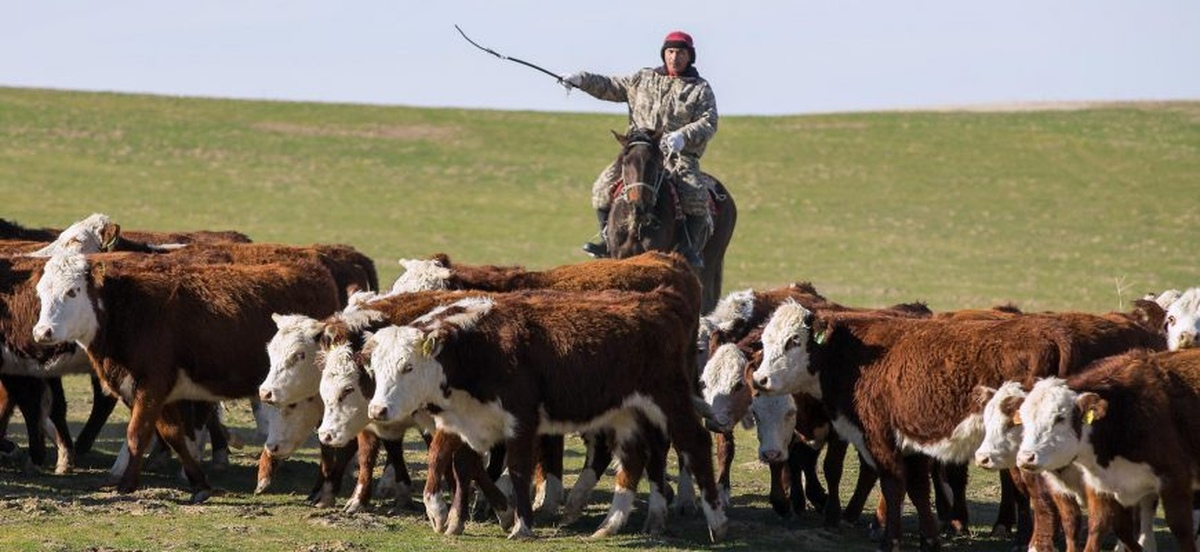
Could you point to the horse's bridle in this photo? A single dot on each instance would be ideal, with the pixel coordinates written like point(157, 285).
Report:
point(662, 175)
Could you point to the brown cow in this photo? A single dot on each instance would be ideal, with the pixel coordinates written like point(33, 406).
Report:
point(508, 367)
point(894, 385)
point(166, 332)
point(1129, 423)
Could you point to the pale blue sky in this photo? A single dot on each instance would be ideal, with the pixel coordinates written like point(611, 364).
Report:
point(762, 57)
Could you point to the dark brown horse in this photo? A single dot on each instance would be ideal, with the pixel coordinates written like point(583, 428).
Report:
point(646, 214)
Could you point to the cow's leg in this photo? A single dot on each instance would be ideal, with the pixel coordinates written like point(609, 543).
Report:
point(440, 459)
point(549, 475)
point(266, 470)
point(863, 485)
point(495, 470)
point(1006, 516)
point(778, 495)
point(468, 467)
point(656, 450)
point(368, 452)
point(956, 520)
point(631, 451)
point(334, 461)
point(399, 486)
point(694, 445)
point(803, 459)
point(171, 427)
point(684, 502)
point(102, 407)
point(917, 468)
point(143, 415)
point(1069, 518)
point(891, 487)
point(1103, 512)
point(59, 427)
point(29, 395)
point(725, 450)
point(519, 462)
point(218, 435)
point(1044, 511)
point(1176, 495)
point(599, 455)
point(833, 466)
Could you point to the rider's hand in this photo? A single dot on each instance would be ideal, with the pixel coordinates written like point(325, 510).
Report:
point(571, 80)
point(672, 142)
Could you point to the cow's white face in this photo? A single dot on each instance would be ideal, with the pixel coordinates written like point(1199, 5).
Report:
point(407, 373)
point(723, 387)
point(421, 275)
point(294, 374)
point(1183, 321)
point(291, 425)
point(344, 399)
point(84, 236)
point(67, 313)
point(1049, 440)
point(1002, 428)
point(775, 422)
point(785, 362)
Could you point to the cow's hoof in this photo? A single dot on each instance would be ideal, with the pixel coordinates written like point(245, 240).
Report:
point(718, 533)
point(199, 497)
point(506, 518)
point(262, 485)
point(353, 506)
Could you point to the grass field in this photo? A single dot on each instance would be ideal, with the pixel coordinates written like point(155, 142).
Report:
point(1052, 210)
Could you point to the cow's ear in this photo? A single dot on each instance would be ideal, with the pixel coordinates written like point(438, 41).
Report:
point(1149, 314)
point(1091, 407)
point(1011, 408)
point(822, 328)
point(980, 396)
point(368, 344)
point(317, 332)
point(431, 346)
point(109, 235)
point(276, 317)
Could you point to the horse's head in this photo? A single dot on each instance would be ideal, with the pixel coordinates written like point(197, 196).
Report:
point(642, 171)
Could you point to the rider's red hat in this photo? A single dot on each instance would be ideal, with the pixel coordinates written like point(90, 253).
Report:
point(678, 39)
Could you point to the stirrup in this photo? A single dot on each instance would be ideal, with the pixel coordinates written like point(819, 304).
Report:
point(597, 250)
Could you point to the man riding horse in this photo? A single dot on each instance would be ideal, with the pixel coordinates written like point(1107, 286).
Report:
point(676, 100)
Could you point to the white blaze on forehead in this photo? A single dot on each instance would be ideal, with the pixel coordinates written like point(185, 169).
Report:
point(721, 376)
point(784, 367)
point(341, 393)
point(81, 237)
point(1047, 416)
point(407, 376)
point(421, 275)
point(1183, 321)
point(775, 422)
point(294, 373)
point(66, 308)
point(1001, 434)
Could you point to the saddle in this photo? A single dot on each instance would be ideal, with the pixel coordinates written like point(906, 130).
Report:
point(714, 201)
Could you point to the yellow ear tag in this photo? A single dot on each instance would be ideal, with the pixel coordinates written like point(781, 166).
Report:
point(1089, 417)
point(427, 346)
point(1016, 418)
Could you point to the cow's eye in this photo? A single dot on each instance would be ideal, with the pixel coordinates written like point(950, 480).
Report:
point(1170, 320)
point(345, 393)
point(408, 367)
point(71, 293)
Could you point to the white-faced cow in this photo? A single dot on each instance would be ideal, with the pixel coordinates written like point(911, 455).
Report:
point(1129, 423)
point(506, 368)
point(1183, 321)
point(161, 332)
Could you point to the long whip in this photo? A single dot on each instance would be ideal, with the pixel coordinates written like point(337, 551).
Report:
point(507, 58)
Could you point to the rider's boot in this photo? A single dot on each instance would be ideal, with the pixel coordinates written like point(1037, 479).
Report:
point(696, 227)
point(599, 250)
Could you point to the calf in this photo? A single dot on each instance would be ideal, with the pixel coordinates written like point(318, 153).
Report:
point(507, 368)
point(1183, 321)
point(998, 451)
point(162, 332)
point(894, 386)
point(1100, 420)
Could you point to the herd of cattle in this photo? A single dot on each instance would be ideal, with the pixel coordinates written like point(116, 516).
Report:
point(1072, 410)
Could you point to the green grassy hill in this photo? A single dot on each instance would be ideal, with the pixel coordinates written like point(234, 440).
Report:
point(1051, 210)
point(1084, 210)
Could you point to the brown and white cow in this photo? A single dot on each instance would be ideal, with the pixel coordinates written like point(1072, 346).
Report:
point(1003, 430)
point(1183, 321)
point(1129, 423)
point(896, 386)
point(162, 332)
point(510, 367)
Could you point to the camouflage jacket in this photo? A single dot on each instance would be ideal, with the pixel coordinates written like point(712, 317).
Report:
point(684, 103)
